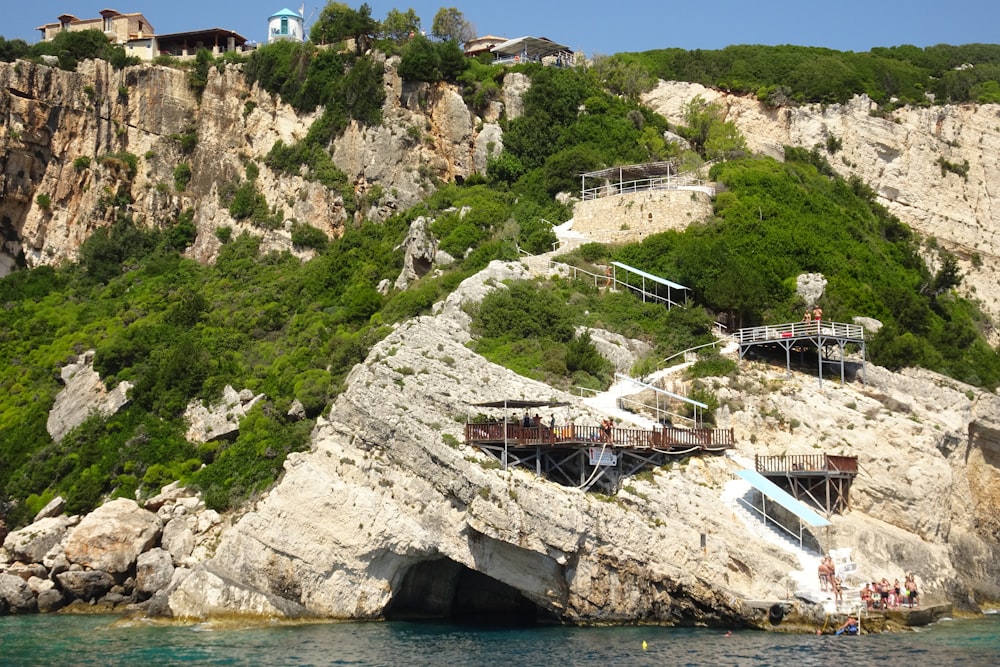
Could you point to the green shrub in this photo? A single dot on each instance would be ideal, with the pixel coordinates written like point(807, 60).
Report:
point(182, 176)
point(187, 140)
point(81, 163)
point(307, 236)
point(523, 310)
point(122, 161)
point(582, 355)
point(44, 201)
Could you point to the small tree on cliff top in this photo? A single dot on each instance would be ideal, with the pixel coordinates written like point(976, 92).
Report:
point(450, 25)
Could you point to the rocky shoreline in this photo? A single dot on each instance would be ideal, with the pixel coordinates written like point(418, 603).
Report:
point(121, 557)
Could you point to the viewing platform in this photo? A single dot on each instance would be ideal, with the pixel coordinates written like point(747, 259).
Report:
point(820, 480)
point(589, 457)
point(632, 178)
point(823, 337)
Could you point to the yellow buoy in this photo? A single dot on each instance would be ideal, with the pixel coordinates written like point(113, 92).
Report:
point(643, 644)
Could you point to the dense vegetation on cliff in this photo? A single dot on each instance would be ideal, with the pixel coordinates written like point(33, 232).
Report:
point(181, 331)
point(941, 74)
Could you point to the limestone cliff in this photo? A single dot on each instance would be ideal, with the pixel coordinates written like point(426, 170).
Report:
point(899, 154)
point(390, 512)
point(63, 134)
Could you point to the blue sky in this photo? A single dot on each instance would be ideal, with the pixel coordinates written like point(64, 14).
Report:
point(593, 26)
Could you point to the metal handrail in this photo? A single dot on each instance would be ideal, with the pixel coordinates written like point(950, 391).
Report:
point(641, 185)
point(663, 363)
point(611, 281)
point(800, 330)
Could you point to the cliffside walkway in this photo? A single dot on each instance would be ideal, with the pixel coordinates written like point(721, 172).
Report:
point(587, 457)
point(819, 337)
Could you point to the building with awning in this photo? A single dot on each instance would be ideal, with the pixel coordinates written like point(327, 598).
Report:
point(187, 44)
point(532, 50)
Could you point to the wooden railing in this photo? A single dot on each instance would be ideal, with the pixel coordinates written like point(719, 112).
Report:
point(571, 434)
point(800, 330)
point(770, 465)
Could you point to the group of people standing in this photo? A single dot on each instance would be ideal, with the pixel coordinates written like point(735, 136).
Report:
point(875, 595)
point(883, 595)
point(814, 315)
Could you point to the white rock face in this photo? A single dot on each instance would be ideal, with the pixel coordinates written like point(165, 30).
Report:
point(898, 155)
point(389, 492)
point(221, 419)
point(426, 130)
point(32, 543)
point(84, 394)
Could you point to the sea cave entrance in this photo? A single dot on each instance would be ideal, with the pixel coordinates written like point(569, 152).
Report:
point(444, 590)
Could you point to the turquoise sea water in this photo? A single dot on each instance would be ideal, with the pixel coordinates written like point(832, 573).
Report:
point(100, 640)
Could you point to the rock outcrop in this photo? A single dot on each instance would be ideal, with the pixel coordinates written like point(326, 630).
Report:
point(119, 556)
point(84, 394)
point(221, 420)
point(419, 251)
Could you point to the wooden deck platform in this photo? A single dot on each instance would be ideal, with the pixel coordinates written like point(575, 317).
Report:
point(585, 456)
point(820, 480)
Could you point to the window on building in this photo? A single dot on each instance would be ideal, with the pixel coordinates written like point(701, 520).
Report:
point(284, 25)
point(107, 24)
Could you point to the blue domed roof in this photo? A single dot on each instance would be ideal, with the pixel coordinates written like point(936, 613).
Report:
point(286, 13)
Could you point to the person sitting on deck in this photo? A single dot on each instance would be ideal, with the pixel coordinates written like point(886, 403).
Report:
point(808, 317)
point(817, 316)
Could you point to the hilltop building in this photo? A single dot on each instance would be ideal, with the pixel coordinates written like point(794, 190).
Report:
point(136, 35)
point(482, 44)
point(286, 25)
point(532, 49)
point(119, 28)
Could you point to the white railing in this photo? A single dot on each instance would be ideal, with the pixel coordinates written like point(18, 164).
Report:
point(641, 185)
point(612, 282)
point(777, 332)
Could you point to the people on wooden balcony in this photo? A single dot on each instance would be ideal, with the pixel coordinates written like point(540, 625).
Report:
point(606, 426)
